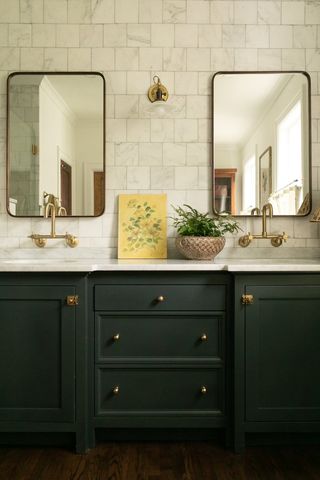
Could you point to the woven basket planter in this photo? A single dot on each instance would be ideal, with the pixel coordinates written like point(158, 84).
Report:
point(200, 248)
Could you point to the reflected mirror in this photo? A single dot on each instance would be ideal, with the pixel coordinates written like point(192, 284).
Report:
point(55, 143)
point(261, 142)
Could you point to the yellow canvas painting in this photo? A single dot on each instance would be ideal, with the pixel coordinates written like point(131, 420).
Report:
point(142, 226)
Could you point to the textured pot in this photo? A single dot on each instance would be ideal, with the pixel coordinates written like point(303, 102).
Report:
point(200, 248)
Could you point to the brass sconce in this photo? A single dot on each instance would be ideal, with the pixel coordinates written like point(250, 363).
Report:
point(157, 92)
point(316, 215)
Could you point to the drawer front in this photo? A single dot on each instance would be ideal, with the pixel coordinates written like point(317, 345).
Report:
point(160, 297)
point(147, 390)
point(152, 336)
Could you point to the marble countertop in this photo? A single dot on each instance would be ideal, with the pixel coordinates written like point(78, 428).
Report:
point(91, 265)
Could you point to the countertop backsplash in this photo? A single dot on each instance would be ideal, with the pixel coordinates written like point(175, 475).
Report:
point(184, 42)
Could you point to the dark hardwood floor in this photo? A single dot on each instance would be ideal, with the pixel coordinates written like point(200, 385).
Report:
point(161, 461)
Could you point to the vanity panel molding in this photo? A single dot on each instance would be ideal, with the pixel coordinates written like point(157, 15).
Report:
point(277, 354)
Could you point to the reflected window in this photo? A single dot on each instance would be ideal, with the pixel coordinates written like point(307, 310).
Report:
point(249, 184)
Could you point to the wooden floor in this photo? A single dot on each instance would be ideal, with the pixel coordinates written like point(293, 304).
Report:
point(165, 461)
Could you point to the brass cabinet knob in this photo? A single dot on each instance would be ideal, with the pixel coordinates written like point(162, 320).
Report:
point(116, 337)
point(204, 337)
point(160, 298)
point(203, 390)
point(116, 390)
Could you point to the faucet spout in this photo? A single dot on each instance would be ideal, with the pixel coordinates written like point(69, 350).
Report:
point(50, 210)
point(266, 208)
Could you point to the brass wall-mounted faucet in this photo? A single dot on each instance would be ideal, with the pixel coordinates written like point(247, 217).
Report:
point(53, 208)
point(276, 240)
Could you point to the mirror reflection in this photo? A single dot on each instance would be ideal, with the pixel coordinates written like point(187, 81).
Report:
point(261, 142)
point(55, 143)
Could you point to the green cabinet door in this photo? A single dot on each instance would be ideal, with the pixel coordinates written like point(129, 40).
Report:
point(37, 353)
point(282, 353)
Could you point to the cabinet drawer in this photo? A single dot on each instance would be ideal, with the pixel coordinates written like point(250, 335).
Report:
point(160, 297)
point(159, 390)
point(152, 336)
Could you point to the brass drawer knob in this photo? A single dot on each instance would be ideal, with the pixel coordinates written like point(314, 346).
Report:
point(247, 299)
point(204, 337)
point(72, 300)
point(116, 390)
point(203, 390)
point(160, 298)
point(116, 337)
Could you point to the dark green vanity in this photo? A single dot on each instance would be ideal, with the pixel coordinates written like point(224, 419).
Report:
point(158, 351)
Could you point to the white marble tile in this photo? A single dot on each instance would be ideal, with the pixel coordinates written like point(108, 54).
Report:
point(312, 12)
point(103, 59)
point(293, 12)
point(281, 36)
point(138, 82)
point(162, 130)
point(245, 59)
point(198, 11)
point(138, 35)
point(9, 11)
point(116, 130)
point(222, 59)
point(162, 177)
point(127, 58)
point(305, 36)
point(116, 178)
point(150, 154)
point(269, 12)
point(43, 35)
point(186, 178)
point(150, 11)
point(126, 12)
point(138, 178)
point(198, 59)
point(115, 35)
point(79, 59)
point(313, 59)
point(79, 11)
point(103, 11)
point(222, 12)
point(257, 36)
point(67, 35)
point(55, 11)
point(174, 11)
point(304, 229)
point(150, 58)
point(245, 12)
point(90, 227)
point(210, 36)
point(186, 130)
point(174, 59)
point(293, 59)
point(186, 83)
point(204, 178)
point(233, 36)
point(269, 59)
point(28, 57)
point(198, 106)
point(138, 130)
point(91, 35)
point(4, 35)
point(116, 82)
point(126, 106)
point(19, 35)
point(126, 154)
point(198, 154)
point(162, 35)
point(110, 227)
point(31, 12)
point(205, 130)
point(174, 154)
point(185, 35)
point(56, 59)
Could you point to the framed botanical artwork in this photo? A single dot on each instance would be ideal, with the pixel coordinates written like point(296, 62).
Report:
point(265, 176)
point(142, 227)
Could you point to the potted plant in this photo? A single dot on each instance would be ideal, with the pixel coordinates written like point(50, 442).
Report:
point(201, 237)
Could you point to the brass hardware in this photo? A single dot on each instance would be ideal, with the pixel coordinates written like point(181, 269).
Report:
point(204, 337)
point(34, 149)
point(247, 299)
point(53, 208)
point(72, 300)
point(276, 240)
point(116, 390)
point(255, 210)
point(157, 92)
point(203, 390)
point(160, 298)
point(116, 337)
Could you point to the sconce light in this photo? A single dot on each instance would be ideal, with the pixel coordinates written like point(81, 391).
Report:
point(157, 92)
point(316, 215)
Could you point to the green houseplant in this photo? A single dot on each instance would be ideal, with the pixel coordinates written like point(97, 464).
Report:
point(201, 237)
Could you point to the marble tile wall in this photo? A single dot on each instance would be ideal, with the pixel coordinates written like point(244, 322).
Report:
point(184, 42)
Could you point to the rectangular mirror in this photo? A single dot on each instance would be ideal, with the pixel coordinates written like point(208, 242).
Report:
point(261, 142)
point(55, 143)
